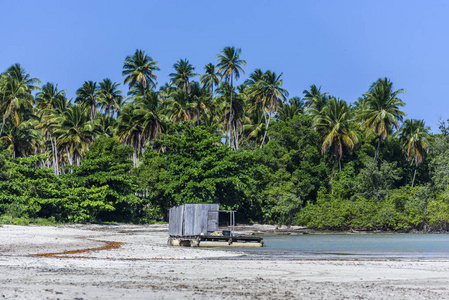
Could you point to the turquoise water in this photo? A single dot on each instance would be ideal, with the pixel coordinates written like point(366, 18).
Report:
point(352, 246)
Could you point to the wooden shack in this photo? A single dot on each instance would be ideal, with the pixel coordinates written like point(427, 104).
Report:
point(197, 225)
point(193, 219)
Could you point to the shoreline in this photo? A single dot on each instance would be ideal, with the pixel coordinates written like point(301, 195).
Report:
point(264, 229)
point(144, 267)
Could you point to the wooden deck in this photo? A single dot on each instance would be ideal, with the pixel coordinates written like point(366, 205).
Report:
point(216, 241)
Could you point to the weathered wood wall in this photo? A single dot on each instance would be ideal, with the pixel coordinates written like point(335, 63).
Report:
point(193, 219)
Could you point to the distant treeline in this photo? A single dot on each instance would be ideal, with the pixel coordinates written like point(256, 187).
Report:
point(316, 161)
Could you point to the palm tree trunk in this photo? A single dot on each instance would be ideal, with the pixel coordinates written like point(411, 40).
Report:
point(92, 112)
point(230, 117)
point(57, 159)
point(236, 139)
point(266, 129)
point(1, 130)
point(377, 150)
point(414, 174)
point(69, 156)
point(339, 162)
point(54, 157)
point(406, 174)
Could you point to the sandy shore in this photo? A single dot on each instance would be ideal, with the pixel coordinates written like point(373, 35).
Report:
point(133, 262)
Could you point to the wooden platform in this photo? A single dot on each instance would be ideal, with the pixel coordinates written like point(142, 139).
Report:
point(216, 241)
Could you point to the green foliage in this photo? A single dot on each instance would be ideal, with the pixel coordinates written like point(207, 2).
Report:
point(104, 175)
point(375, 180)
point(438, 212)
point(195, 168)
point(280, 163)
point(285, 210)
point(403, 208)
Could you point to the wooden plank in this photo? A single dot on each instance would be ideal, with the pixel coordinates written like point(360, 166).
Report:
point(175, 220)
point(189, 219)
point(201, 218)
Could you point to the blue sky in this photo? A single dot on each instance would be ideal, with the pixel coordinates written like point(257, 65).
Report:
point(342, 46)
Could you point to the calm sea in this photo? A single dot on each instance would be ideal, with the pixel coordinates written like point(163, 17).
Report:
point(352, 246)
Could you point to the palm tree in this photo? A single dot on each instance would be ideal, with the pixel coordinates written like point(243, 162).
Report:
point(22, 140)
point(199, 97)
point(269, 95)
point(88, 96)
point(291, 109)
point(184, 70)
point(380, 110)
point(74, 131)
point(109, 96)
point(139, 68)
point(106, 125)
point(148, 113)
point(48, 97)
point(314, 99)
point(334, 125)
point(230, 66)
point(415, 138)
point(166, 90)
point(251, 90)
point(129, 130)
point(179, 107)
point(15, 93)
point(50, 119)
point(210, 78)
point(254, 128)
point(145, 118)
point(121, 102)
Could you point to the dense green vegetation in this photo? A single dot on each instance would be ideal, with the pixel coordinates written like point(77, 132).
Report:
point(317, 161)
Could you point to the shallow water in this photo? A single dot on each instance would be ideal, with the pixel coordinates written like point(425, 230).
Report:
point(352, 246)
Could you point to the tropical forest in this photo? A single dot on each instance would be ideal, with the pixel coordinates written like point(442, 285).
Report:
point(218, 134)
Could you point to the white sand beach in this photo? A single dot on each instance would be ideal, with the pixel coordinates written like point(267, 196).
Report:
point(134, 262)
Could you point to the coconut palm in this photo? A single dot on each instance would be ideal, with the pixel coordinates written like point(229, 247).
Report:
point(48, 97)
point(314, 99)
point(200, 98)
point(210, 78)
point(334, 125)
point(415, 139)
point(254, 101)
point(184, 71)
point(109, 96)
point(22, 140)
point(166, 90)
point(238, 111)
point(230, 66)
point(269, 95)
point(50, 119)
point(121, 102)
point(74, 131)
point(106, 125)
point(148, 113)
point(139, 68)
point(88, 96)
point(380, 112)
point(15, 94)
point(179, 107)
point(129, 130)
point(254, 129)
point(291, 109)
